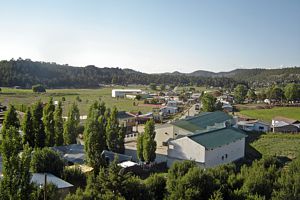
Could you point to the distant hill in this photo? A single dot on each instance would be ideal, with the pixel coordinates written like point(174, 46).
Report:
point(291, 74)
point(26, 73)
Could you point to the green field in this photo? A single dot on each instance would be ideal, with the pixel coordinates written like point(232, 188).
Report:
point(276, 144)
point(267, 114)
point(87, 96)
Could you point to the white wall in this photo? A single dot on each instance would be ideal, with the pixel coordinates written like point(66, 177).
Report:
point(233, 150)
point(186, 149)
point(257, 125)
point(163, 133)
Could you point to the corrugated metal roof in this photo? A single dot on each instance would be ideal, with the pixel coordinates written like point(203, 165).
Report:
point(39, 179)
point(202, 121)
point(217, 138)
point(73, 153)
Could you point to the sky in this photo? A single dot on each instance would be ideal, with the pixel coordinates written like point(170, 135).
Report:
point(153, 36)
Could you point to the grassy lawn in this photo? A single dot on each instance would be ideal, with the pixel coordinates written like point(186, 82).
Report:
point(285, 145)
point(87, 96)
point(267, 114)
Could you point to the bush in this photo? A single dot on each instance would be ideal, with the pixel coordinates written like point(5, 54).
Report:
point(47, 160)
point(74, 176)
point(38, 88)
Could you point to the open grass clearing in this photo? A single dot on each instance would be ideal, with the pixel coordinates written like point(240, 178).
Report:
point(267, 114)
point(87, 97)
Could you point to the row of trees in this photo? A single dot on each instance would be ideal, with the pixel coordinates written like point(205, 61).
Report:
point(264, 179)
point(43, 125)
point(290, 92)
point(102, 132)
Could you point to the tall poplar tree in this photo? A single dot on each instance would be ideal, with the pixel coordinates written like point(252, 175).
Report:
point(10, 119)
point(27, 128)
point(58, 125)
point(114, 136)
point(71, 125)
point(15, 183)
point(149, 144)
point(48, 120)
point(38, 126)
point(94, 140)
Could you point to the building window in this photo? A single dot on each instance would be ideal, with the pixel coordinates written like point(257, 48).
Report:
point(222, 157)
point(226, 155)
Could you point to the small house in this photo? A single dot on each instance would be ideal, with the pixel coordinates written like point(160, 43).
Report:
point(285, 125)
point(254, 125)
point(63, 187)
point(128, 120)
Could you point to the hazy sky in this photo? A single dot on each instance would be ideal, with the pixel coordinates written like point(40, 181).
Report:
point(153, 35)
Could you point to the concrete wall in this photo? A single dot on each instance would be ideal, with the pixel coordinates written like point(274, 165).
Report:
point(286, 129)
point(179, 131)
point(186, 149)
point(163, 133)
point(217, 156)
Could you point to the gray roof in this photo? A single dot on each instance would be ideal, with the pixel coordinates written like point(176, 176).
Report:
point(111, 156)
point(202, 121)
point(39, 179)
point(218, 137)
point(73, 153)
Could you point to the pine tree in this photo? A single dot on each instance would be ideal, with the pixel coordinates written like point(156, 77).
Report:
point(58, 125)
point(15, 183)
point(27, 127)
point(48, 120)
point(10, 119)
point(71, 125)
point(149, 144)
point(38, 126)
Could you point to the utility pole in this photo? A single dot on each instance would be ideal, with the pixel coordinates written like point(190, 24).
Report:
point(45, 187)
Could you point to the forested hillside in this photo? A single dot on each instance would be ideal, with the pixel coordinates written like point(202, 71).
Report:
point(26, 73)
point(284, 75)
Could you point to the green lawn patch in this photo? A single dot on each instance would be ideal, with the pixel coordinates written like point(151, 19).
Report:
point(267, 114)
point(277, 144)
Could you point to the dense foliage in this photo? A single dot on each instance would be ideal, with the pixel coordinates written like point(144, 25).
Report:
point(26, 73)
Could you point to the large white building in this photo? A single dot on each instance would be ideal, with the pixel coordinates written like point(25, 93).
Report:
point(123, 92)
point(210, 148)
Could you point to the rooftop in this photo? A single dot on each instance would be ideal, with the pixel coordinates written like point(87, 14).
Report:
point(202, 121)
point(286, 120)
point(39, 179)
point(218, 137)
point(73, 153)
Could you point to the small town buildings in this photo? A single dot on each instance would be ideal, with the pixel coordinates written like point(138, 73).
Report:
point(128, 120)
point(209, 148)
point(254, 125)
point(73, 153)
point(196, 96)
point(227, 107)
point(111, 156)
point(63, 187)
point(285, 125)
point(227, 99)
point(167, 110)
point(123, 92)
point(172, 103)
